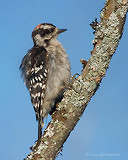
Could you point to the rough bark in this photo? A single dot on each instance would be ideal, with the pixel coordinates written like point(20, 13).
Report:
point(69, 110)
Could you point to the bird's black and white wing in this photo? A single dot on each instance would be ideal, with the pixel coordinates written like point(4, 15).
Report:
point(34, 70)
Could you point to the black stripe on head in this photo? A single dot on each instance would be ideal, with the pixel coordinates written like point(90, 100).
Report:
point(43, 29)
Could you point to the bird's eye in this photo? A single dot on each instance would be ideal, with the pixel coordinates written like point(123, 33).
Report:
point(52, 30)
point(47, 31)
point(44, 32)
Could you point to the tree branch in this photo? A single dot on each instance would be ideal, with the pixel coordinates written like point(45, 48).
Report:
point(69, 110)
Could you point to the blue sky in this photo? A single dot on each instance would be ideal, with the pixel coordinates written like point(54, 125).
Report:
point(101, 133)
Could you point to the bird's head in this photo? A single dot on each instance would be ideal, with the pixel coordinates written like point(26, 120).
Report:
point(44, 33)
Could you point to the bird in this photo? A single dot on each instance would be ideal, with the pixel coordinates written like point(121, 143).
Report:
point(46, 70)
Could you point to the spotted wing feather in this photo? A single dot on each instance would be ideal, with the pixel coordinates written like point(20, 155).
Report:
point(34, 70)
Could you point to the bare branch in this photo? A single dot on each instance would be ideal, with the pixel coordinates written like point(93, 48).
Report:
point(107, 35)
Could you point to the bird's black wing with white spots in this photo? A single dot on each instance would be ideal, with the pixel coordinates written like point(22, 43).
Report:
point(34, 70)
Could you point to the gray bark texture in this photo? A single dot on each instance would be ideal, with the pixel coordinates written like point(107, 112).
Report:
point(69, 110)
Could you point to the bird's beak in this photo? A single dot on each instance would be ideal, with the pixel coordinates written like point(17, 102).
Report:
point(61, 30)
